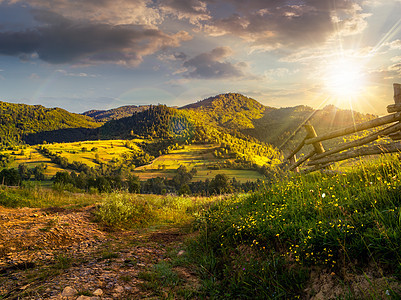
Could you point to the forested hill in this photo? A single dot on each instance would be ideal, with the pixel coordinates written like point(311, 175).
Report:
point(156, 122)
point(17, 120)
point(277, 125)
point(115, 113)
point(232, 110)
point(174, 125)
point(268, 124)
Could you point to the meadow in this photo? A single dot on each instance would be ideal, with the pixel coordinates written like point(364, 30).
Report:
point(334, 235)
point(324, 235)
point(192, 156)
point(93, 153)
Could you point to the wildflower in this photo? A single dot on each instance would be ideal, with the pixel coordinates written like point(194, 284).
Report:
point(323, 195)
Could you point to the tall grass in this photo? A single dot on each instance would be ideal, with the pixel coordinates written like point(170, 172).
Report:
point(263, 245)
point(132, 210)
point(31, 195)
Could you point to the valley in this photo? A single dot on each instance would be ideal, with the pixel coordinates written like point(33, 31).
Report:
point(159, 202)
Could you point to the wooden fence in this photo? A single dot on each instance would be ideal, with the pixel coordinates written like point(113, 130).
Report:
point(318, 158)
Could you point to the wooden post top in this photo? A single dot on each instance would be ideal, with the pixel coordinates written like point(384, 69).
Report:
point(397, 99)
point(397, 92)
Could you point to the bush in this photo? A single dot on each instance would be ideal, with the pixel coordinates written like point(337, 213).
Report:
point(124, 210)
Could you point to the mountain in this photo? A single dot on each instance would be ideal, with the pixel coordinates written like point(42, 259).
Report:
point(155, 122)
point(193, 127)
point(278, 124)
point(19, 120)
point(115, 113)
point(268, 124)
point(233, 120)
point(231, 110)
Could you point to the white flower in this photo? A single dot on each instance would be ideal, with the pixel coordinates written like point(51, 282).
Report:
point(323, 195)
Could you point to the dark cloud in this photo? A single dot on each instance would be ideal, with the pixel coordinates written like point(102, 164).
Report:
point(116, 12)
point(180, 56)
point(209, 65)
point(278, 23)
point(60, 40)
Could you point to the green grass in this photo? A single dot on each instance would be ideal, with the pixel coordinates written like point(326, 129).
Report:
point(105, 150)
point(124, 210)
point(193, 156)
point(39, 197)
point(263, 245)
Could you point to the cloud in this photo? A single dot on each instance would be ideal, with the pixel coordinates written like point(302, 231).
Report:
point(192, 10)
point(172, 57)
point(71, 74)
point(211, 65)
point(59, 40)
point(394, 45)
point(34, 76)
point(277, 24)
point(113, 12)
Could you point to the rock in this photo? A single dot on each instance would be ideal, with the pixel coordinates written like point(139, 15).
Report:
point(69, 292)
point(118, 289)
point(98, 292)
point(82, 297)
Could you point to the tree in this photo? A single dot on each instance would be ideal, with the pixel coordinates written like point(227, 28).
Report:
point(38, 172)
point(184, 190)
point(10, 177)
point(134, 185)
point(24, 171)
point(62, 177)
point(220, 184)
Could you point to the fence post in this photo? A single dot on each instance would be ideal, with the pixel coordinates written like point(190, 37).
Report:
point(397, 99)
point(293, 160)
point(311, 133)
point(396, 107)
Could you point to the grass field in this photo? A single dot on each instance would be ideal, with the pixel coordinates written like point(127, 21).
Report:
point(32, 158)
point(88, 152)
point(319, 236)
point(192, 156)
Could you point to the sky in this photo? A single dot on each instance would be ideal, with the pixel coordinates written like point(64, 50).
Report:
point(102, 54)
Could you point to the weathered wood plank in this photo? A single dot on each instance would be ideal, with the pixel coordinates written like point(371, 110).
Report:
point(394, 108)
point(315, 168)
point(301, 161)
point(296, 150)
point(358, 127)
point(397, 93)
point(311, 133)
point(371, 150)
point(370, 138)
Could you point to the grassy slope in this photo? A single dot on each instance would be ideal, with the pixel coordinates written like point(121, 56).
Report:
point(345, 226)
point(18, 120)
point(192, 156)
point(199, 156)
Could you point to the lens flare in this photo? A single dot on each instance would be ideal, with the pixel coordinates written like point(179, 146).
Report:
point(345, 79)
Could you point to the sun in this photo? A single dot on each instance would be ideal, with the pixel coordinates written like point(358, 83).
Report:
point(344, 79)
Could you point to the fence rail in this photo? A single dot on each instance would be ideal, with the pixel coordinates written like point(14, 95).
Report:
point(318, 158)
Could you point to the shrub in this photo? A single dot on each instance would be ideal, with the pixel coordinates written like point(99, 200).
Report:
point(124, 210)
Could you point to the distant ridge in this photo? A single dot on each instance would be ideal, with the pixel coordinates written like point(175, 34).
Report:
point(231, 110)
point(19, 120)
point(115, 113)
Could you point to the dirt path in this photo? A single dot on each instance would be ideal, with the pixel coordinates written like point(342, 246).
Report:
point(63, 254)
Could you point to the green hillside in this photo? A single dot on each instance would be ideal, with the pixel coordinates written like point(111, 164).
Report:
point(18, 120)
point(277, 125)
point(232, 110)
point(115, 113)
